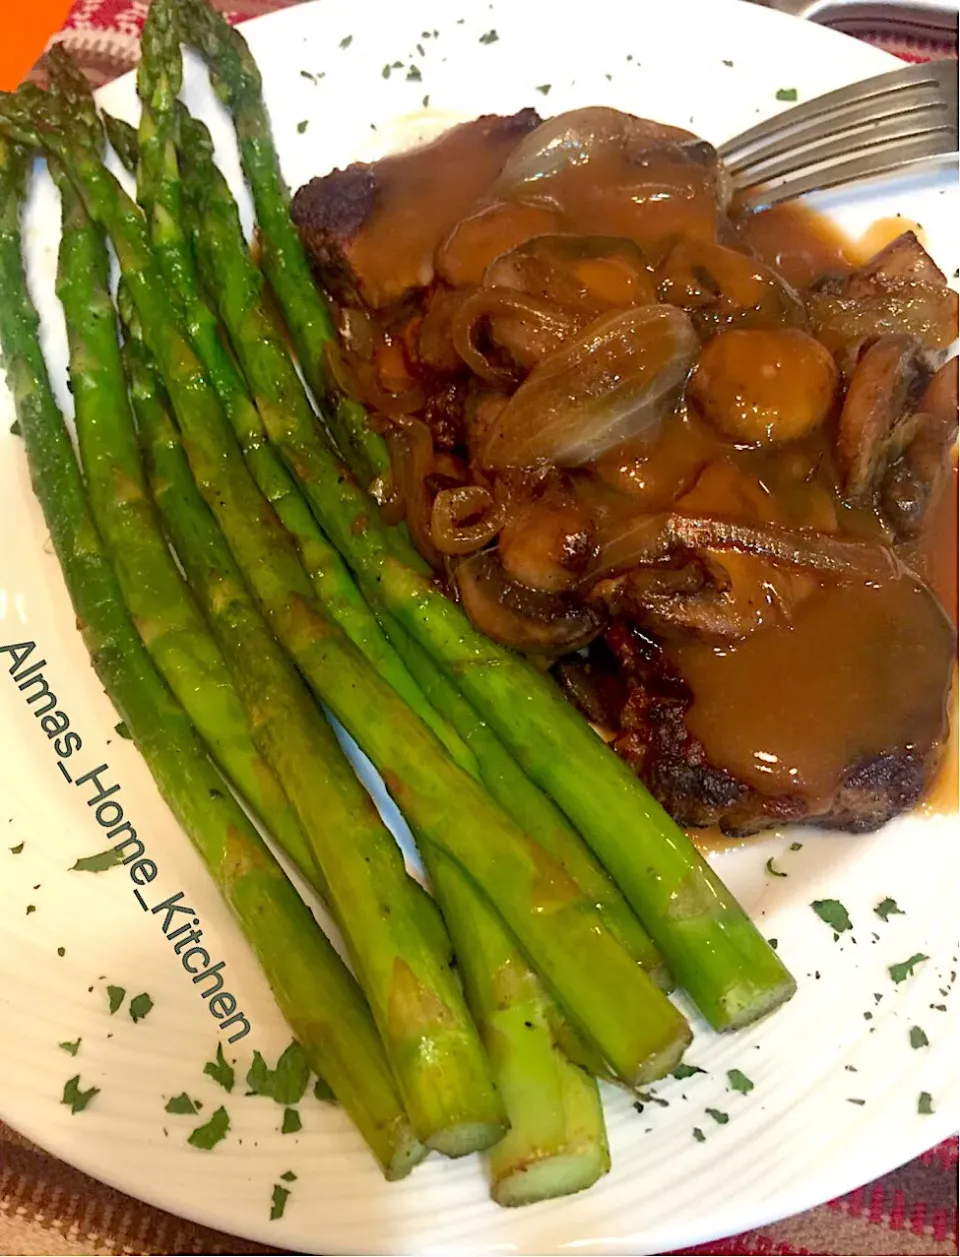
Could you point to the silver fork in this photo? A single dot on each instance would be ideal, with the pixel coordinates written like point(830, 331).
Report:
point(907, 118)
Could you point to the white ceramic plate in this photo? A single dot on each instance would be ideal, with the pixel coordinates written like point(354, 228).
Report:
point(835, 1100)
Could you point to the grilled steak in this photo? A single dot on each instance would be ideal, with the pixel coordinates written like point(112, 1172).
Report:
point(633, 688)
point(372, 229)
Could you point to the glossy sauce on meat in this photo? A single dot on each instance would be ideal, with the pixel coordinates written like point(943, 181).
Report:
point(795, 674)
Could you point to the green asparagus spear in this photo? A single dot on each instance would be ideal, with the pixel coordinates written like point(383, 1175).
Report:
point(160, 194)
point(556, 1143)
point(236, 80)
point(316, 994)
point(389, 925)
point(709, 943)
point(610, 999)
point(229, 271)
point(170, 623)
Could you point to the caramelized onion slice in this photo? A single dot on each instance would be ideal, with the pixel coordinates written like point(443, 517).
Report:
point(570, 139)
point(523, 618)
point(524, 328)
point(592, 273)
point(647, 538)
point(464, 519)
point(612, 383)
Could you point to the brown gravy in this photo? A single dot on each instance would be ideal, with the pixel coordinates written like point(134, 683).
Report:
point(836, 673)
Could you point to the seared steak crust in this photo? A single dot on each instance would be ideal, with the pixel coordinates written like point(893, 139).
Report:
point(654, 740)
point(332, 211)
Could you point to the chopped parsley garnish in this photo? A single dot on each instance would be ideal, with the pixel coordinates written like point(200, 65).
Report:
point(307, 75)
point(698, 1135)
point(414, 75)
point(684, 1070)
point(211, 1132)
point(773, 943)
point(77, 1099)
point(116, 995)
point(285, 1084)
point(291, 1122)
point(833, 913)
point(140, 1005)
point(385, 71)
point(122, 731)
point(787, 93)
point(853, 1100)
point(279, 1201)
point(739, 1081)
point(888, 908)
point(727, 63)
point(346, 41)
point(302, 126)
point(719, 1116)
point(491, 37)
point(925, 1104)
point(796, 846)
point(61, 951)
point(544, 89)
point(772, 871)
point(900, 972)
point(288, 1176)
point(180, 1105)
point(918, 1038)
point(220, 1071)
point(426, 101)
point(73, 1048)
point(98, 863)
point(15, 428)
point(258, 1077)
point(321, 1089)
point(31, 907)
point(17, 849)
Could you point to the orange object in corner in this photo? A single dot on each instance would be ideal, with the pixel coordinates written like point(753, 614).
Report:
point(25, 27)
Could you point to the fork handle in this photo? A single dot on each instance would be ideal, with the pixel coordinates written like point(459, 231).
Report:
point(924, 18)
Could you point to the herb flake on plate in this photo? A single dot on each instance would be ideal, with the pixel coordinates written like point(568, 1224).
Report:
point(278, 1201)
point(181, 1105)
point(918, 1038)
point(220, 1071)
point(288, 1176)
point(490, 37)
point(77, 1099)
point(925, 1104)
point(211, 1132)
point(98, 863)
point(291, 1122)
point(774, 872)
point(888, 908)
point(116, 995)
point(684, 1070)
point(718, 1116)
point(833, 913)
point(787, 93)
point(739, 1081)
point(73, 1048)
point(900, 972)
point(140, 1005)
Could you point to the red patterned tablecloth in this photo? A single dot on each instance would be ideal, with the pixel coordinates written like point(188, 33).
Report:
point(47, 1207)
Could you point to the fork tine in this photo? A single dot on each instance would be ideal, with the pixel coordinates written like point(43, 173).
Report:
point(935, 74)
point(910, 101)
point(911, 153)
point(851, 143)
